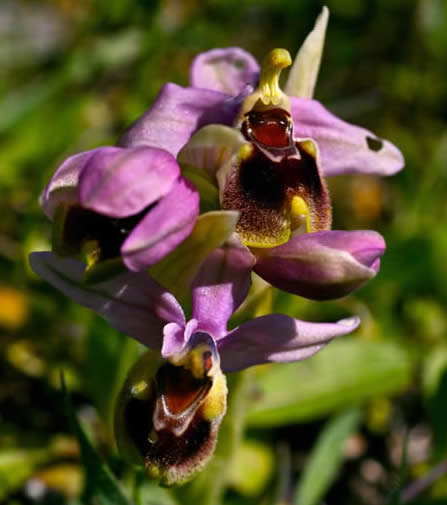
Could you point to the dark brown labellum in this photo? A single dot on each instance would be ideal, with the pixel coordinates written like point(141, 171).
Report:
point(167, 419)
point(262, 187)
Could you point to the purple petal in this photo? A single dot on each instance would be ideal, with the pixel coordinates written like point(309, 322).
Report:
point(344, 148)
point(176, 337)
point(120, 182)
point(322, 265)
point(173, 339)
point(163, 228)
point(226, 70)
point(221, 285)
point(176, 114)
point(133, 303)
point(278, 338)
point(63, 186)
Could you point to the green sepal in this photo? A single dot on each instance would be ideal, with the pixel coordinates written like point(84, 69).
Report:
point(176, 271)
point(101, 485)
point(59, 243)
point(209, 194)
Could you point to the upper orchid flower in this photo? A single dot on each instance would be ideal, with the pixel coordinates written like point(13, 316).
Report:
point(175, 396)
point(266, 156)
point(119, 205)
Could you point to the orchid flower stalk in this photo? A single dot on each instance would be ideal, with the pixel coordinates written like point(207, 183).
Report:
point(258, 158)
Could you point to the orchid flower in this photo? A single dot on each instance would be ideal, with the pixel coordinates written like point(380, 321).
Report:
point(117, 205)
point(250, 147)
point(173, 401)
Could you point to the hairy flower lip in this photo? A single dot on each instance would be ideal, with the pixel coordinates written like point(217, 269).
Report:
point(181, 399)
point(264, 189)
point(172, 447)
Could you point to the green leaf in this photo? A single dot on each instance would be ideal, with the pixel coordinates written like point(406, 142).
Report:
point(252, 467)
point(326, 458)
point(346, 373)
point(209, 485)
point(100, 482)
point(153, 494)
point(17, 465)
point(107, 349)
point(209, 194)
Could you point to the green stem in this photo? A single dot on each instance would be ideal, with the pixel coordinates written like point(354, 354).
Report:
point(208, 487)
point(138, 487)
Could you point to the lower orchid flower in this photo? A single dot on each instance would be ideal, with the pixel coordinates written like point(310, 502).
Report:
point(174, 399)
point(267, 156)
point(119, 205)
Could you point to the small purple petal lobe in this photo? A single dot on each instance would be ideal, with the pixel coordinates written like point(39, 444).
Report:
point(119, 182)
point(226, 70)
point(173, 339)
point(63, 186)
point(163, 228)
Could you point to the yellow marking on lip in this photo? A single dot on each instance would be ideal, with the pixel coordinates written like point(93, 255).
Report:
point(310, 147)
point(215, 402)
point(92, 252)
point(140, 390)
point(194, 362)
point(299, 208)
point(245, 151)
point(266, 242)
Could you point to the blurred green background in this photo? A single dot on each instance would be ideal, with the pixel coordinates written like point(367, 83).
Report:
point(73, 75)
